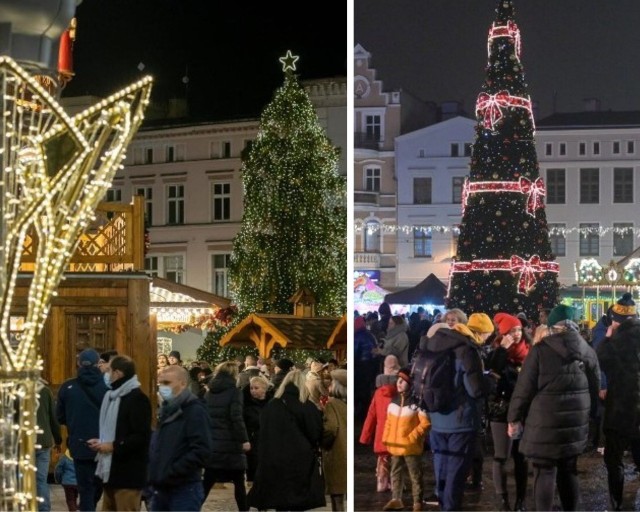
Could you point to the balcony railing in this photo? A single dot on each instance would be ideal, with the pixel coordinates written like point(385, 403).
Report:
point(366, 141)
point(365, 197)
point(113, 242)
point(370, 259)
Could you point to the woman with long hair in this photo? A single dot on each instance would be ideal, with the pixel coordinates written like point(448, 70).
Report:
point(288, 476)
point(334, 439)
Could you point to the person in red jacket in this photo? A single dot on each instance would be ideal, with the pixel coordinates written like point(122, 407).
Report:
point(372, 432)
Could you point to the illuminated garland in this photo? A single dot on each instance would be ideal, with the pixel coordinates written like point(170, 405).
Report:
point(632, 271)
point(411, 228)
point(526, 269)
point(534, 189)
point(489, 107)
point(510, 30)
point(589, 271)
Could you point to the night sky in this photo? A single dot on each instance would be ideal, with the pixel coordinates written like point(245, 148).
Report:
point(571, 49)
point(230, 49)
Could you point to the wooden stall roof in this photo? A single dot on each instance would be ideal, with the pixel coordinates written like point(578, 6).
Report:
point(191, 296)
point(338, 337)
point(288, 331)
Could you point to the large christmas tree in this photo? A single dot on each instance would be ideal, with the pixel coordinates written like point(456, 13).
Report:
point(294, 227)
point(504, 260)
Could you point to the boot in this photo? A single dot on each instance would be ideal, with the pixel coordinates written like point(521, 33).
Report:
point(503, 502)
point(519, 505)
point(616, 504)
point(394, 505)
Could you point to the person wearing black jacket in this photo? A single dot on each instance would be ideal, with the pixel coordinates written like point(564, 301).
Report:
point(618, 355)
point(180, 446)
point(550, 408)
point(123, 446)
point(229, 435)
point(255, 397)
point(78, 407)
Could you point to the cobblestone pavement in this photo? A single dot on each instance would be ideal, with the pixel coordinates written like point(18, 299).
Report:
point(592, 473)
point(219, 499)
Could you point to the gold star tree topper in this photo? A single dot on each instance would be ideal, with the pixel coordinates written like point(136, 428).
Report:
point(289, 61)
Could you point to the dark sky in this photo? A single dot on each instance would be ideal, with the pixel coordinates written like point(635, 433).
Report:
point(231, 49)
point(573, 49)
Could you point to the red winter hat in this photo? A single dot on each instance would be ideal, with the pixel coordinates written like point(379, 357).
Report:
point(506, 322)
point(359, 324)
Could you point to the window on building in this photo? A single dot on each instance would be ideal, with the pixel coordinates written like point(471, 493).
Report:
point(147, 193)
point(148, 155)
point(175, 204)
point(225, 147)
point(457, 183)
point(373, 128)
point(372, 237)
point(421, 153)
point(114, 195)
point(221, 201)
point(173, 268)
point(151, 266)
point(562, 149)
point(220, 274)
point(421, 242)
point(590, 239)
point(372, 179)
point(468, 148)
point(615, 149)
point(596, 148)
point(455, 149)
point(582, 148)
point(622, 238)
point(548, 149)
point(589, 186)
point(421, 190)
point(558, 239)
point(631, 147)
point(170, 154)
point(455, 236)
point(623, 185)
point(556, 185)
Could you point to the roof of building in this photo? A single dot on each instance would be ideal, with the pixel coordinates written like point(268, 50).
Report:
point(591, 119)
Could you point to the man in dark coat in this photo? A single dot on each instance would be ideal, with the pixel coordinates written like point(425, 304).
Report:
point(78, 407)
point(123, 445)
point(552, 399)
point(180, 446)
point(618, 355)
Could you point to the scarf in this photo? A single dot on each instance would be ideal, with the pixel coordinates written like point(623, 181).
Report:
point(108, 419)
point(517, 352)
point(169, 408)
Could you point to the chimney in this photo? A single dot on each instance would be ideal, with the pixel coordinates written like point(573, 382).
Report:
point(304, 303)
point(591, 104)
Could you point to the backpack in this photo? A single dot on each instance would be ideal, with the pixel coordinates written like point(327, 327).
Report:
point(433, 379)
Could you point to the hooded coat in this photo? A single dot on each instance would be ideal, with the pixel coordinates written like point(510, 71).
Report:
point(396, 342)
point(553, 395)
point(620, 359)
point(374, 422)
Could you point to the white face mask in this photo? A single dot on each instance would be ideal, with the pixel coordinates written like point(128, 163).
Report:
point(107, 378)
point(165, 392)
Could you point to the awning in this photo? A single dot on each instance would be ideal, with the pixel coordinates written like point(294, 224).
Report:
point(429, 291)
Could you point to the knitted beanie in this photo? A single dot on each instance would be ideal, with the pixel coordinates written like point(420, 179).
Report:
point(560, 313)
point(506, 322)
point(480, 322)
point(623, 309)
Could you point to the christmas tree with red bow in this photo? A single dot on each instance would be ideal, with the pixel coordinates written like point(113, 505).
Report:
point(504, 260)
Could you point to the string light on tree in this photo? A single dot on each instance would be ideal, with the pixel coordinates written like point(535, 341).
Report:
point(504, 260)
point(294, 225)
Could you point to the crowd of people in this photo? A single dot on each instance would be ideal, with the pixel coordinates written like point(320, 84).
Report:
point(276, 429)
point(535, 389)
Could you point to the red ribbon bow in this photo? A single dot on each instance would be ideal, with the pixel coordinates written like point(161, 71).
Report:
point(490, 106)
point(535, 190)
point(527, 270)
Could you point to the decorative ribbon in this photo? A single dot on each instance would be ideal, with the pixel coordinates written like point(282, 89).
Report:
point(509, 30)
point(516, 265)
point(534, 189)
point(490, 107)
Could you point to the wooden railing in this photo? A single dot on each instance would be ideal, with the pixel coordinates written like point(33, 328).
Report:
point(114, 242)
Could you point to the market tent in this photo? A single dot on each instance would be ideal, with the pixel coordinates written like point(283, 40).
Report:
point(429, 291)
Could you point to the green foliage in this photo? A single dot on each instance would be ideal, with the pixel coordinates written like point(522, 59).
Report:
point(293, 232)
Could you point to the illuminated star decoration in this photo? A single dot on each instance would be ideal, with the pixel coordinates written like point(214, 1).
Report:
point(289, 61)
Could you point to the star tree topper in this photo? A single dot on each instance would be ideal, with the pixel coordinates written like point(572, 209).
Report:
point(289, 61)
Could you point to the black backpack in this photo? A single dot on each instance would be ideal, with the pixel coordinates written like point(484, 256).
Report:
point(433, 379)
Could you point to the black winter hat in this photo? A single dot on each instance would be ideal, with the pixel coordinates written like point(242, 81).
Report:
point(623, 309)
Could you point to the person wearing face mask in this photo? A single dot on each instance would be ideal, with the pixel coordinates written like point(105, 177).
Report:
point(180, 446)
point(123, 445)
point(78, 408)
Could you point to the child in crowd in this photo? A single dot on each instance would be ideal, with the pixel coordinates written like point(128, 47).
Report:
point(65, 474)
point(404, 433)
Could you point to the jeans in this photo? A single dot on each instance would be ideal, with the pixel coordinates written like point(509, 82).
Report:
point(452, 456)
point(89, 486)
point(43, 457)
point(187, 497)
